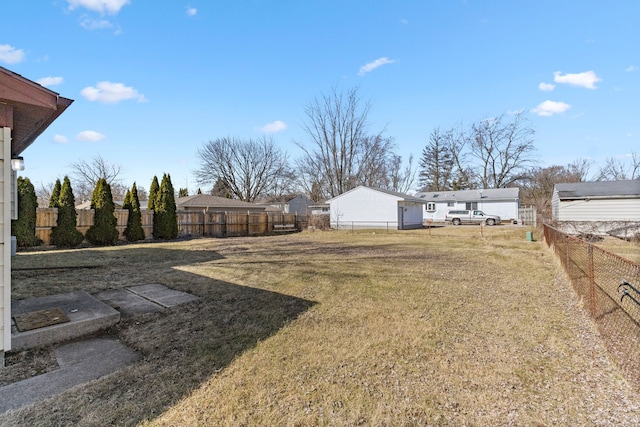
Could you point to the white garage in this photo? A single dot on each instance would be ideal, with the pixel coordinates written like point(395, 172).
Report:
point(365, 207)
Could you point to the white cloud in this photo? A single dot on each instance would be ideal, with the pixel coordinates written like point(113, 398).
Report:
point(90, 136)
point(632, 68)
point(110, 7)
point(549, 108)
point(111, 93)
point(546, 87)
point(10, 55)
point(95, 24)
point(587, 79)
point(60, 139)
point(277, 126)
point(50, 81)
point(192, 11)
point(375, 64)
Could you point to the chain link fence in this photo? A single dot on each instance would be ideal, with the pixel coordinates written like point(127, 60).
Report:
point(609, 286)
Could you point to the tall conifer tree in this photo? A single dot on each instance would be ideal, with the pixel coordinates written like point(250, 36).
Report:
point(65, 234)
point(55, 195)
point(24, 228)
point(165, 221)
point(153, 194)
point(134, 230)
point(103, 232)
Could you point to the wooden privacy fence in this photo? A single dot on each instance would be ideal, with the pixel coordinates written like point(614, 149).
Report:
point(47, 218)
point(190, 223)
point(231, 224)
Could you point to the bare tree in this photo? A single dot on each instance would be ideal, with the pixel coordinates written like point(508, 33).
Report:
point(537, 187)
point(86, 175)
point(43, 193)
point(617, 169)
point(401, 179)
point(340, 153)
point(503, 150)
point(248, 168)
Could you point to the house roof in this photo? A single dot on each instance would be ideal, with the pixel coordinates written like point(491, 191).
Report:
point(599, 189)
point(487, 194)
point(27, 108)
point(214, 202)
point(402, 196)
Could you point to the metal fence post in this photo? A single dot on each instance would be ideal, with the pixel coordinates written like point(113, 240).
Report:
point(592, 283)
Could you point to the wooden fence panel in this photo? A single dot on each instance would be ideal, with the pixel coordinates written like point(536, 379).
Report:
point(84, 220)
point(46, 218)
point(122, 216)
point(147, 223)
point(190, 223)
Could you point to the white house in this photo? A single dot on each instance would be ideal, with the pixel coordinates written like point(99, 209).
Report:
point(26, 110)
point(595, 207)
point(503, 202)
point(365, 207)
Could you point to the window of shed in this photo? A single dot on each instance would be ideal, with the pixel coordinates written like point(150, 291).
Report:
point(451, 204)
point(471, 206)
point(431, 207)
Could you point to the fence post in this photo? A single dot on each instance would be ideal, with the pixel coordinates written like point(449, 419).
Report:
point(592, 282)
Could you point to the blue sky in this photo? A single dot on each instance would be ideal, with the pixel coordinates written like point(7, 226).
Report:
point(154, 81)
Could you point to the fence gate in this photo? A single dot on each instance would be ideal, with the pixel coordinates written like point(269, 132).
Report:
point(527, 215)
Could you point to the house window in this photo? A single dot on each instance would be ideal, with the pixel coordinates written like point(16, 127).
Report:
point(431, 207)
point(471, 206)
point(451, 204)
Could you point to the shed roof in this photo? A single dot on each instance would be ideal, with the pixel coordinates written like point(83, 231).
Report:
point(27, 108)
point(214, 202)
point(598, 189)
point(487, 194)
point(402, 196)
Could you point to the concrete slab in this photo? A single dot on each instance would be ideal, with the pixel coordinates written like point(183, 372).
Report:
point(86, 315)
point(80, 362)
point(162, 295)
point(127, 303)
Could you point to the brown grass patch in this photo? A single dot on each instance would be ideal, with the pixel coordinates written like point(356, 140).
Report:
point(439, 327)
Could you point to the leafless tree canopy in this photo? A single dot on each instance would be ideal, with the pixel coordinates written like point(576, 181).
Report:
point(537, 187)
point(248, 168)
point(86, 174)
point(340, 154)
point(502, 150)
point(492, 153)
point(617, 169)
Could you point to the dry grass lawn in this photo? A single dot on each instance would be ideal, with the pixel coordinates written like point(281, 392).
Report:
point(427, 327)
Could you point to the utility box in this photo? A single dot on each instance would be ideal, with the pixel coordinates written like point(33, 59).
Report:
point(529, 236)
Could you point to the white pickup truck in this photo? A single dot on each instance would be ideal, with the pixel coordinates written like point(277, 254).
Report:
point(471, 217)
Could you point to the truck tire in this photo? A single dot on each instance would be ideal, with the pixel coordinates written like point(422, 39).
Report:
point(491, 221)
point(456, 221)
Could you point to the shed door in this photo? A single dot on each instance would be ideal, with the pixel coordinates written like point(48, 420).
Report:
point(400, 218)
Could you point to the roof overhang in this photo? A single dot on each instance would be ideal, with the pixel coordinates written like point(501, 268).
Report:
point(27, 108)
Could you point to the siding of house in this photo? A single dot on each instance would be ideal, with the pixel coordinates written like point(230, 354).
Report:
point(365, 207)
point(370, 208)
point(623, 209)
point(412, 217)
point(501, 202)
point(5, 241)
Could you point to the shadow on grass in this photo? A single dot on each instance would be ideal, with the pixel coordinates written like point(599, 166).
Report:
point(182, 347)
